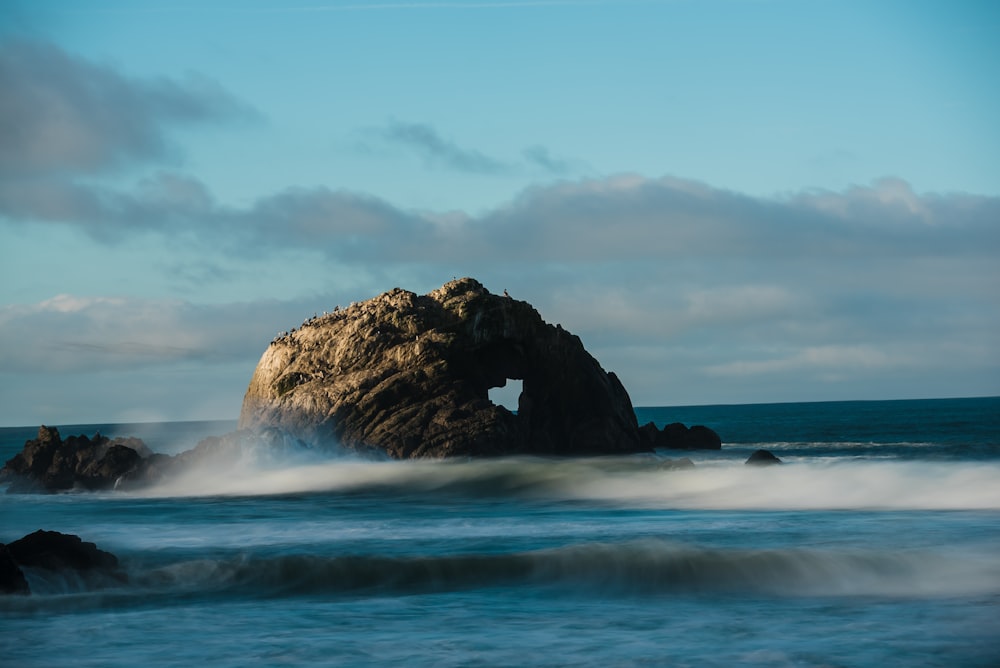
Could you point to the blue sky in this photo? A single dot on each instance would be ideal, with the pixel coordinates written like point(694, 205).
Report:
point(730, 201)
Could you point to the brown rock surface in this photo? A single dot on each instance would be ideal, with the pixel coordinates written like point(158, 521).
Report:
point(410, 376)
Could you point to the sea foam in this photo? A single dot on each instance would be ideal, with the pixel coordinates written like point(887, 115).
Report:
point(634, 481)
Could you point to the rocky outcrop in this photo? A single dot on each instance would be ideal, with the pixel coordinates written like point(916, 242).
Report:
point(50, 463)
point(676, 436)
point(58, 553)
point(409, 376)
point(55, 551)
point(762, 458)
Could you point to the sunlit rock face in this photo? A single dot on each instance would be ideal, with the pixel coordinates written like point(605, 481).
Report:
point(410, 375)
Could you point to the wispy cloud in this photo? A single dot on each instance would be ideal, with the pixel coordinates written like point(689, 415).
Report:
point(436, 150)
point(63, 114)
point(620, 218)
point(540, 157)
point(70, 333)
point(470, 4)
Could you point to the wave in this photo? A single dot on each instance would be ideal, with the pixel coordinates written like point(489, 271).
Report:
point(638, 568)
point(651, 482)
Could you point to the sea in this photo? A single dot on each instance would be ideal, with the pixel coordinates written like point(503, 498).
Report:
point(875, 543)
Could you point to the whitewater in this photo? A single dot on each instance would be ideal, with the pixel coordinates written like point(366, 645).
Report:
point(875, 543)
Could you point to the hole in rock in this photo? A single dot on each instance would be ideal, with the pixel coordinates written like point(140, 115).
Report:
point(507, 395)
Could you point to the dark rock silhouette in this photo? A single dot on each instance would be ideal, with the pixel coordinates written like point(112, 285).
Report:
point(409, 376)
point(762, 458)
point(52, 464)
point(676, 436)
point(49, 463)
point(58, 553)
point(55, 551)
point(11, 576)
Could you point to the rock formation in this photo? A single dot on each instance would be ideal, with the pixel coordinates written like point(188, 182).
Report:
point(55, 552)
point(410, 375)
point(762, 458)
point(676, 436)
point(52, 464)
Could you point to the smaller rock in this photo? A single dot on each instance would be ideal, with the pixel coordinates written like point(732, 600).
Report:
point(50, 463)
point(762, 458)
point(677, 436)
point(11, 577)
point(56, 551)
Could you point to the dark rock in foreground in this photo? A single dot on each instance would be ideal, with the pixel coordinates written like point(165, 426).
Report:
point(58, 551)
point(762, 458)
point(11, 576)
point(55, 552)
point(676, 436)
point(409, 376)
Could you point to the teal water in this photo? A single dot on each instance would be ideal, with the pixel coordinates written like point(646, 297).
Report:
point(875, 544)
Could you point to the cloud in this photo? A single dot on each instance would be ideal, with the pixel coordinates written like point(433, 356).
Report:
point(62, 114)
point(75, 334)
point(437, 151)
point(759, 295)
point(840, 359)
point(620, 218)
point(539, 156)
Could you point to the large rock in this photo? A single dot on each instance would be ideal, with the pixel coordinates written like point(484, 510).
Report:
point(410, 376)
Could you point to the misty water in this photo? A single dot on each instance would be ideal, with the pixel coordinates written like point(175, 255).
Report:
point(875, 543)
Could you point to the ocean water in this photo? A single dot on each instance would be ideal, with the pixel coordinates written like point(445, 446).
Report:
point(876, 543)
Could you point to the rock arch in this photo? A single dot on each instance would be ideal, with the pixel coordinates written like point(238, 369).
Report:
point(410, 376)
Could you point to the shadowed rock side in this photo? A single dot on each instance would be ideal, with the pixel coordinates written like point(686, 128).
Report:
point(410, 376)
point(56, 553)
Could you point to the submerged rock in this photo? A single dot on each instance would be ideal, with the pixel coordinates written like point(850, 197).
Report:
point(762, 458)
point(409, 376)
point(680, 464)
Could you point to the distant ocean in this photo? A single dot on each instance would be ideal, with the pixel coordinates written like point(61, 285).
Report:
point(877, 543)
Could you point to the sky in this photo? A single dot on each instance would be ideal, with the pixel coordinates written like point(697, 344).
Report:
point(729, 201)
